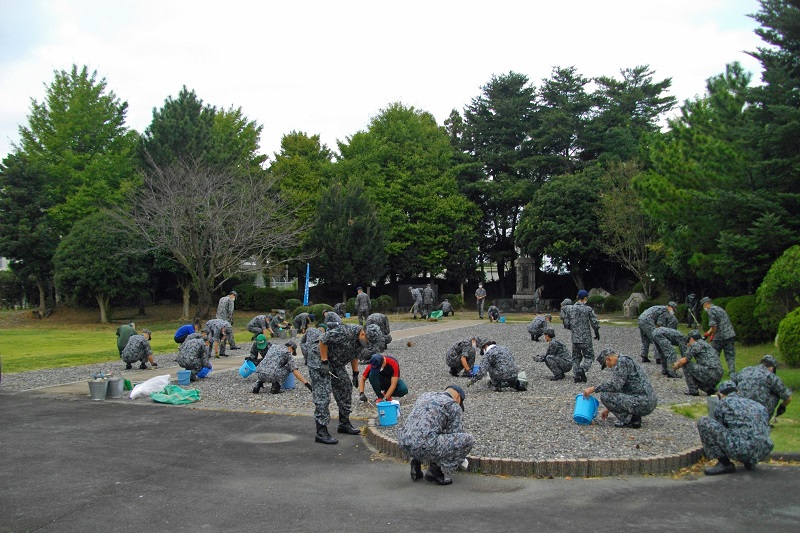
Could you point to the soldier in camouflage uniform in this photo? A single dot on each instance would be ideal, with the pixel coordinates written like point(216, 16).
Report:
point(446, 308)
point(138, 349)
point(461, 357)
point(225, 312)
point(278, 322)
point(193, 355)
point(362, 306)
point(427, 300)
point(376, 343)
point(259, 325)
point(338, 308)
point(259, 349)
point(276, 366)
point(665, 339)
point(498, 362)
point(720, 332)
point(649, 321)
point(433, 432)
point(582, 320)
point(382, 321)
point(668, 320)
point(339, 349)
point(538, 326)
point(564, 312)
point(761, 384)
point(493, 312)
point(692, 311)
point(416, 295)
point(331, 318)
point(480, 299)
point(537, 297)
point(557, 358)
point(218, 331)
point(321, 383)
point(302, 321)
point(706, 370)
point(628, 395)
point(739, 431)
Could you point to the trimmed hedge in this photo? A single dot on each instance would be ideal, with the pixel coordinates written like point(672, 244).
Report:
point(262, 299)
point(596, 301)
point(645, 305)
point(455, 300)
point(741, 311)
point(315, 310)
point(779, 292)
point(789, 338)
point(291, 304)
point(612, 303)
point(385, 303)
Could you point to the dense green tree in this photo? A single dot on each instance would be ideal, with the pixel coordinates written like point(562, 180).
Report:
point(626, 110)
point(28, 237)
point(561, 222)
point(715, 212)
point(497, 126)
point(77, 137)
point(779, 292)
point(348, 239)
point(98, 259)
point(405, 161)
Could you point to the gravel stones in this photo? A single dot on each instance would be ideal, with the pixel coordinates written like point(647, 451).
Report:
point(532, 425)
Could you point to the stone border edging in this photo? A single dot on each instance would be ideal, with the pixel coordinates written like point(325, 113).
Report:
point(661, 464)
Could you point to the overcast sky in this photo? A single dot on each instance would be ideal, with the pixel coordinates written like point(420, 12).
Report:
point(326, 68)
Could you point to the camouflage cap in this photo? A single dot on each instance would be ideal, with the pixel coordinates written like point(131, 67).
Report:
point(770, 360)
point(602, 357)
point(147, 331)
point(566, 301)
point(695, 334)
point(672, 304)
point(291, 344)
point(548, 317)
point(727, 387)
point(705, 300)
point(550, 332)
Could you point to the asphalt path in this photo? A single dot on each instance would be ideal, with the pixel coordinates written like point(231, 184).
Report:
point(70, 464)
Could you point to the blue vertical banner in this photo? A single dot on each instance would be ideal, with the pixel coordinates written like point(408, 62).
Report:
point(308, 273)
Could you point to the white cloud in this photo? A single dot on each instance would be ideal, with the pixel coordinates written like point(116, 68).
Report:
point(326, 68)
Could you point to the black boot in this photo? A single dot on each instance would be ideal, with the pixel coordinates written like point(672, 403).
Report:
point(142, 366)
point(519, 386)
point(435, 475)
point(636, 421)
point(276, 388)
point(453, 372)
point(323, 436)
point(128, 366)
point(416, 470)
point(258, 386)
point(580, 376)
point(346, 427)
point(724, 466)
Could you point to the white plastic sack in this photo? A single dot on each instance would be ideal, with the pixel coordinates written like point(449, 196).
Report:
point(145, 389)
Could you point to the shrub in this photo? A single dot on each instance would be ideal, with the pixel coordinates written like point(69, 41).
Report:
point(245, 298)
point(350, 306)
point(267, 298)
point(317, 310)
point(645, 305)
point(779, 292)
point(682, 313)
point(612, 303)
point(741, 312)
point(385, 302)
point(595, 301)
point(291, 304)
point(789, 338)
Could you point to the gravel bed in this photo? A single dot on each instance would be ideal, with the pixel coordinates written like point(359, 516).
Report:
point(532, 425)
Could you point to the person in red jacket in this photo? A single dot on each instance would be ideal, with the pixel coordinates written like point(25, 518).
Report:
point(383, 374)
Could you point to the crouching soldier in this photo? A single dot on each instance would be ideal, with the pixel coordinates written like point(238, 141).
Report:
point(557, 358)
point(376, 343)
point(218, 331)
point(703, 369)
point(446, 308)
point(138, 349)
point(666, 339)
point(275, 367)
point(302, 321)
point(498, 362)
point(193, 356)
point(628, 394)
point(537, 327)
point(433, 432)
point(259, 325)
point(382, 321)
point(739, 431)
point(461, 356)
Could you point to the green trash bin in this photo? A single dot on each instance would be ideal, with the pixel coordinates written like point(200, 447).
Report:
point(436, 315)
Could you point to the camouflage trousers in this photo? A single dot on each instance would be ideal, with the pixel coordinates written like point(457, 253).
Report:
point(362, 316)
point(582, 356)
point(479, 305)
point(729, 348)
point(427, 309)
point(447, 450)
point(557, 365)
point(718, 441)
point(417, 308)
point(277, 375)
point(453, 358)
point(624, 406)
point(666, 352)
point(700, 377)
point(646, 332)
point(323, 384)
point(231, 341)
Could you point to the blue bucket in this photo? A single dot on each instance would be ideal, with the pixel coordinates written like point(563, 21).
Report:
point(247, 368)
point(585, 409)
point(503, 319)
point(288, 383)
point(347, 315)
point(203, 372)
point(388, 412)
point(184, 377)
